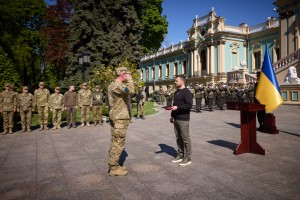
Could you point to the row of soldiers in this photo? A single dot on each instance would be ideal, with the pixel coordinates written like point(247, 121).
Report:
point(41, 101)
point(212, 94)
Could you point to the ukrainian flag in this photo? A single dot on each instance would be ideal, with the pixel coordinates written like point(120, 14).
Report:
point(268, 91)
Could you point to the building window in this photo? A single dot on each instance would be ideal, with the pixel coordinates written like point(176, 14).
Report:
point(203, 60)
point(147, 74)
point(175, 69)
point(257, 60)
point(284, 96)
point(142, 74)
point(159, 71)
point(295, 96)
point(167, 70)
point(153, 73)
point(277, 51)
point(184, 67)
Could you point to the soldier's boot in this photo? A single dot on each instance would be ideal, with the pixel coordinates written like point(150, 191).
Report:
point(95, 123)
point(58, 127)
point(5, 131)
point(23, 129)
point(117, 171)
point(10, 131)
point(46, 127)
point(28, 129)
point(54, 127)
point(82, 124)
point(41, 127)
point(88, 124)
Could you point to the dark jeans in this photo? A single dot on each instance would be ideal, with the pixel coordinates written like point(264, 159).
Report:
point(71, 111)
point(183, 140)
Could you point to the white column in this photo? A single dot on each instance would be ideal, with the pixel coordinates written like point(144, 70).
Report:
point(212, 59)
point(192, 63)
point(207, 60)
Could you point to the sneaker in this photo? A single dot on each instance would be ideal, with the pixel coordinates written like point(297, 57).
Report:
point(185, 161)
point(177, 159)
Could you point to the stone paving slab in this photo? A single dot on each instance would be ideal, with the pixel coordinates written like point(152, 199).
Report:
point(72, 163)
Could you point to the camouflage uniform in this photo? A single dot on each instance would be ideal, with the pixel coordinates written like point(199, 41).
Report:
point(8, 105)
point(210, 95)
point(25, 108)
point(41, 98)
point(199, 90)
point(119, 116)
point(85, 102)
point(169, 96)
point(56, 104)
point(97, 106)
point(140, 100)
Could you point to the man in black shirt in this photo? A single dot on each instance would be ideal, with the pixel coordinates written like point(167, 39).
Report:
point(180, 116)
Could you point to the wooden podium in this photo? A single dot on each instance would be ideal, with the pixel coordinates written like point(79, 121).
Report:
point(248, 142)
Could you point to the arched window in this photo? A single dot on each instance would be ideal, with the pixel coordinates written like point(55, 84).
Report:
point(175, 69)
point(203, 60)
point(159, 71)
point(184, 67)
point(167, 70)
point(257, 60)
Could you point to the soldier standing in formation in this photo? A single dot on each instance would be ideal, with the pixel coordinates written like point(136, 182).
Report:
point(8, 105)
point(221, 92)
point(210, 95)
point(169, 96)
point(25, 107)
point(97, 105)
point(161, 96)
point(56, 104)
point(199, 92)
point(251, 95)
point(41, 99)
point(118, 92)
point(70, 103)
point(85, 101)
point(140, 101)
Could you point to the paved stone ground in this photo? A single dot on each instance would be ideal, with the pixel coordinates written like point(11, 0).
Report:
point(72, 164)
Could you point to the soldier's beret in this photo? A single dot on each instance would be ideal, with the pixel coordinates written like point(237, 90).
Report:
point(42, 83)
point(122, 70)
point(25, 88)
point(7, 85)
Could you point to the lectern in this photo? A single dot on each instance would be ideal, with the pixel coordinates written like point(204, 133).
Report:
point(248, 142)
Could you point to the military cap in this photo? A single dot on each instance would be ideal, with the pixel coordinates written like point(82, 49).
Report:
point(42, 83)
point(57, 88)
point(25, 88)
point(84, 84)
point(97, 86)
point(122, 70)
point(7, 85)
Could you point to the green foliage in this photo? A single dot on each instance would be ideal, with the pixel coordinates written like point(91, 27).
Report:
point(8, 73)
point(155, 26)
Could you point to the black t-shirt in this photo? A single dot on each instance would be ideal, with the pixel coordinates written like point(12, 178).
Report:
point(183, 99)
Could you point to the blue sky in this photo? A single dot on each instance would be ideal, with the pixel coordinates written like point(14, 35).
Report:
point(181, 13)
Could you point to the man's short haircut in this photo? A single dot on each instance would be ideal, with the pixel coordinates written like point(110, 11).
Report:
point(182, 77)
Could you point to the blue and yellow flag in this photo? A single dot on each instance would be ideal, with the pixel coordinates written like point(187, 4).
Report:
point(268, 91)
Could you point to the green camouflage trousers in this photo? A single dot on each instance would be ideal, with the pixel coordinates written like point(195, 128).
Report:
point(56, 117)
point(97, 113)
point(43, 112)
point(140, 109)
point(118, 132)
point(85, 114)
point(8, 117)
point(26, 117)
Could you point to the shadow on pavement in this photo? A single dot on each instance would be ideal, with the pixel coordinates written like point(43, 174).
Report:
point(123, 157)
point(294, 134)
point(234, 125)
point(164, 148)
point(223, 143)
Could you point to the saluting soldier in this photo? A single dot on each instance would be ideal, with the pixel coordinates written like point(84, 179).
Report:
point(25, 107)
point(118, 92)
point(56, 103)
point(8, 105)
point(41, 99)
point(85, 101)
point(140, 101)
point(97, 105)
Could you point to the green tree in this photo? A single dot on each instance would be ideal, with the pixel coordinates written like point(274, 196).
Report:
point(155, 25)
point(8, 73)
point(19, 36)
